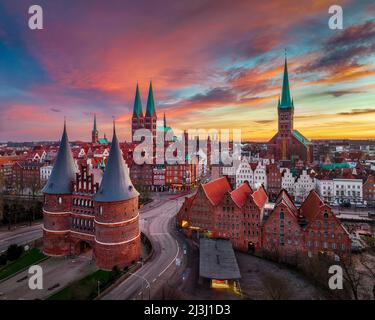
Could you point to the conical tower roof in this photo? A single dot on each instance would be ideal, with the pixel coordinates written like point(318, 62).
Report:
point(150, 110)
point(116, 184)
point(63, 172)
point(137, 109)
point(286, 100)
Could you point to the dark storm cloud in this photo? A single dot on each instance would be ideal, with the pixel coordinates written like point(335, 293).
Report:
point(345, 49)
point(357, 112)
point(339, 93)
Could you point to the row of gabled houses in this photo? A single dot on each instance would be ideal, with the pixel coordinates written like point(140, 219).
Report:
point(253, 224)
point(336, 184)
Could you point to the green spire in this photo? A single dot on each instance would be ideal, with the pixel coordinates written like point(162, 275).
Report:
point(150, 111)
point(137, 111)
point(94, 129)
point(286, 101)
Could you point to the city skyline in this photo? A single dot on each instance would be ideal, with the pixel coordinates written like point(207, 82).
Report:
point(205, 73)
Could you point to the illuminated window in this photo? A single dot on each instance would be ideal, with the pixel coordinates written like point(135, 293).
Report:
point(60, 200)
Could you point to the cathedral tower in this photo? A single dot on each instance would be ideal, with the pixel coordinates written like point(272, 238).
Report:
point(137, 118)
point(151, 118)
point(285, 115)
point(285, 107)
point(95, 132)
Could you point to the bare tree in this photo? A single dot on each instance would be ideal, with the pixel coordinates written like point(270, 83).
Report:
point(276, 288)
point(352, 277)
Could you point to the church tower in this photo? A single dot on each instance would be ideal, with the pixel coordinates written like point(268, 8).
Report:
point(285, 115)
point(137, 118)
point(285, 107)
point(95, 132)
point(58, 201)
point(288, 143)
point(151, 118)
point(117, 231)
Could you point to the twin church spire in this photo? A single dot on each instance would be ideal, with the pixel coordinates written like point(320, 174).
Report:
point(150, 109)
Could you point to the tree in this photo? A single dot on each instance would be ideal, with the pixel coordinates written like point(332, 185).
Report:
point(34, 185)
point(2, 187)
point(3, 260)
point(352, 276)
point(276, 288)
point(14, 252)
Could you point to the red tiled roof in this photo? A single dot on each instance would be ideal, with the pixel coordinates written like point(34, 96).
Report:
point(284, 197)
point(311, 205)
point(241, 194)
point(260, 197)
point(216, 189)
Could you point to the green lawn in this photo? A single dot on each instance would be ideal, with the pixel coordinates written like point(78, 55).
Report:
point(86, 288)
point(27, 259)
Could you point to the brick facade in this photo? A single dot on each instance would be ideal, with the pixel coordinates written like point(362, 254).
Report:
point(240, 215)
point(75, 222)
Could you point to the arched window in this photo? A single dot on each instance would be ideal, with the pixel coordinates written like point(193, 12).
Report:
point(325, 215)
point(60, 200)
point(282, 215)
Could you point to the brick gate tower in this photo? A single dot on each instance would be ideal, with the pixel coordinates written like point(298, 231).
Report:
point(58, 202)
point(84, 211)
point(117, 233)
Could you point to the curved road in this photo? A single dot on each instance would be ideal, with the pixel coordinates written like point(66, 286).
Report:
point(158, 224)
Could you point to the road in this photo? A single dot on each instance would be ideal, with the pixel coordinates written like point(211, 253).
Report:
point(157, 224)
point(56, 271)
point(20, 236)
point(156, 221)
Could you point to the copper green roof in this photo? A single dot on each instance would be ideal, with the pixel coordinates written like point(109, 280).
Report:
point(164, 129)
point(102, 140)
point(150, 110)
point(137, 110)
point(286, 100)
point(332, 166)
point(301, 138)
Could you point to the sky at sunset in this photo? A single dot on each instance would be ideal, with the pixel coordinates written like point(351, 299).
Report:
point(213, 64)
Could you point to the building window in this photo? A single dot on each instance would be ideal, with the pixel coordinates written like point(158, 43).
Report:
point(281, 215)
point(101, 210)
point(60, 200)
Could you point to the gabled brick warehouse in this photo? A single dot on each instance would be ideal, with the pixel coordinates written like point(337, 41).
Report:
point(245, 217)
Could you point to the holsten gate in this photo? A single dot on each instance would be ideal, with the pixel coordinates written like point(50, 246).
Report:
point(86, 210)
